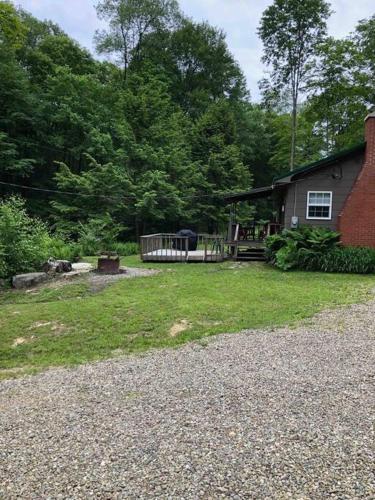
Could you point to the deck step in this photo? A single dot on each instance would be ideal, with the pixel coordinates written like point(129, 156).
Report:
point(247, 259)
point(251, 254)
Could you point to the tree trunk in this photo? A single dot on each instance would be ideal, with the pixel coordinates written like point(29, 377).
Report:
point(137, 230)
point(294, 133)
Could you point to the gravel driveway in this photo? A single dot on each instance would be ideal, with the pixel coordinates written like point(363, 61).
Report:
point(260, 414)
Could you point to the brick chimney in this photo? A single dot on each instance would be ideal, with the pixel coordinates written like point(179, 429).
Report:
point(357, 219)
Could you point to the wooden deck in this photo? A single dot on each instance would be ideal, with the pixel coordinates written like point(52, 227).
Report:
point(167, 247)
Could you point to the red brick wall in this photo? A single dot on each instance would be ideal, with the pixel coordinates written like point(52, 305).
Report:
point(357, 219)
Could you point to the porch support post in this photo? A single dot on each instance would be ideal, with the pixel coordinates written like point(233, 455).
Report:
point(232, 220)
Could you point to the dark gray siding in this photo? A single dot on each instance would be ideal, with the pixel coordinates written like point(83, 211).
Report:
point(323, 180)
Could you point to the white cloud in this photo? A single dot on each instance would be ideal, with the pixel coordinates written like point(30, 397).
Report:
point(238, 18)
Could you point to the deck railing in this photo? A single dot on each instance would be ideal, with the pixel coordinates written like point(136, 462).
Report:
point(256, 232)
point(168, 247)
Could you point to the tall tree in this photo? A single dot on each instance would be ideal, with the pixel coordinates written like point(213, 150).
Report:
point(129, 22)
point(291, 31)
point(342, 89)
point(199, 65)
point(12, 31)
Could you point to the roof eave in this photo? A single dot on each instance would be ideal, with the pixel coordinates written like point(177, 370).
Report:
point(324, 162)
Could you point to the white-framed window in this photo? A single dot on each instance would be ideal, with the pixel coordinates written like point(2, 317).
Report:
point(319, 205)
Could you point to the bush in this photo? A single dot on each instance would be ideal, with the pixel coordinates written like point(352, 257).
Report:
point(98, 235)
point(317, 249)
point(59, 249)
point(343, 260)
point(273, 244)
point(25, 243)
point(126, 249)
point(23, 240)
point(288, 249)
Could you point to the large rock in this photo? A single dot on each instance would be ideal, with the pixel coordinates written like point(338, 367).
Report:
point(28, 280)
point(57, 266)
point(82, 267)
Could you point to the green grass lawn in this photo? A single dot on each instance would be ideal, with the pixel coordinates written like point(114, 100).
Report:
point(70, 325)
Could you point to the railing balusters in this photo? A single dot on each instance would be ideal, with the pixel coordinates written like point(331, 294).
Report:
point(170, 247)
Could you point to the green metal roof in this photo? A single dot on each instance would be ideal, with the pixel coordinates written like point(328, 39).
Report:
point(288, 176)
point(328, 160)
point(248, 195)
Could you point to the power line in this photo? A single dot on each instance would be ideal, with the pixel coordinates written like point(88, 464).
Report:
point(82, 195)
point(125, 197)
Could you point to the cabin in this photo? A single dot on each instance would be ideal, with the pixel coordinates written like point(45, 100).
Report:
point(337, 192)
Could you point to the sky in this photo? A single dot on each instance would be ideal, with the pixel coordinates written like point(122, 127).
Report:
point(238, 18)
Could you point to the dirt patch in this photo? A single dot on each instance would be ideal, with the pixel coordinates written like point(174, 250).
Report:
point(40, 324)
point(98, 282)
point(179, 327)
point(55, 327)
point(210, 323)
point(22, 340)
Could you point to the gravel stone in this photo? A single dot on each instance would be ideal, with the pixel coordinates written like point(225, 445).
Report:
point(284, 413)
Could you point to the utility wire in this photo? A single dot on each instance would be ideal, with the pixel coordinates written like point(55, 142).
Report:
point(82, 195)
point(126, 197)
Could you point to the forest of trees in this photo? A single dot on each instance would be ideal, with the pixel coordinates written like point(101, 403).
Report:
point(151, 137)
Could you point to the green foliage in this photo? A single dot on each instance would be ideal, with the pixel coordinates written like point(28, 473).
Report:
point(98, 235)
point(60, 249)
point(341, 260)
point(126, 249)
point(12, 30)
point(291, 32)
point(9, 158)
point(274, 243)
point(102, 189)
point(190, 55)
point(342, 89)
point(287, 256)
point(317, 249)
point(101, 236)
point(155, 150)
point(288, 249)
point(130, 21)
point(24, 241)
point(309, 143)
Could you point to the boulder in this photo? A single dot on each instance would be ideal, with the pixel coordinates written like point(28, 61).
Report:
point(82, 267)
point(28, 280)
point(57, 266)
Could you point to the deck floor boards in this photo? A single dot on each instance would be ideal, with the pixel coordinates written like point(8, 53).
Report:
point(171, 255)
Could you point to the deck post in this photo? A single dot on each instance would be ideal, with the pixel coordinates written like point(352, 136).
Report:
point(141, 248)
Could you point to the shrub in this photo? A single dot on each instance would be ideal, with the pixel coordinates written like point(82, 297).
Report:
point(273, 244)
point(317, 249)
point(287, 257)
point(126, 249)
point(23, 240)
point(343, 260)
point(98, 235)
point(287, 250)
point(60, 249)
